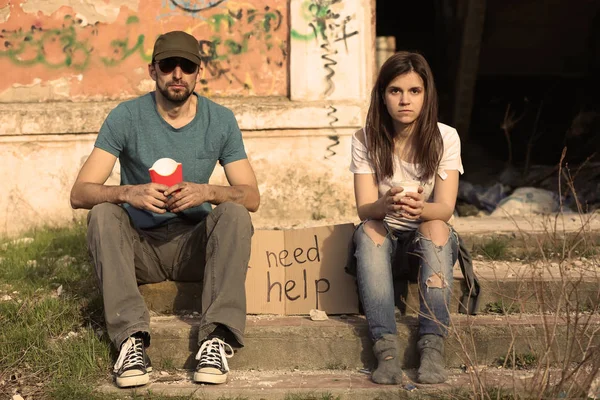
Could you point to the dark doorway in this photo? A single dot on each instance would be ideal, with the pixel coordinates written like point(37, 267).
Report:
point(538, 66)
point(418, 26)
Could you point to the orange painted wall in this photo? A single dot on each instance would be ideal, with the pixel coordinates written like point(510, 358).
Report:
point(244, 44)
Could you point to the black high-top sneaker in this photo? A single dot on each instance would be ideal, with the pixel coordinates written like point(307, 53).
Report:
point(212, 366)
point(133, 365)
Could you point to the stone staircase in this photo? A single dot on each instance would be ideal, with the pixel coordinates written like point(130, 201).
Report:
point(536, 318)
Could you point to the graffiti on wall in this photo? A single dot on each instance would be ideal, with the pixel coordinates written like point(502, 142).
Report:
point(244, 48)
point(191, 8)
point(30, 47)
point(329, 26)
point(69, 46)
point(194, 7)
point(330, 29)
point(254, 26)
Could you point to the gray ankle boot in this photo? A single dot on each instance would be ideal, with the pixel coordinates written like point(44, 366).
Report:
point(388, 370)
point(431, 370)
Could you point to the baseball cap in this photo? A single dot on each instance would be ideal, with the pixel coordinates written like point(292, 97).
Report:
point(177, 44)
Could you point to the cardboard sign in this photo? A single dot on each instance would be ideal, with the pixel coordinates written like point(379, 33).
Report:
point(294, 271)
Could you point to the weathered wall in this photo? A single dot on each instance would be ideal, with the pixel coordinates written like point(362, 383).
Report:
point(296, 74)
point(299, 178)
point(96, 49)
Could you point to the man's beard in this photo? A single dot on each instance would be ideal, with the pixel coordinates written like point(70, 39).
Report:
point(177, 98)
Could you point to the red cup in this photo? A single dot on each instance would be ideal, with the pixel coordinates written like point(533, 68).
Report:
point(166, 171)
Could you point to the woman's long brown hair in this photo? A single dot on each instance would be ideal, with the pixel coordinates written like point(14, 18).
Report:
point(426, 145)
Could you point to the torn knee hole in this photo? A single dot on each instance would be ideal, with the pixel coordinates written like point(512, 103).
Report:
point(440, 243)
point(436, 280)
point(377, 240)
point(375, 236)
point(389, 358)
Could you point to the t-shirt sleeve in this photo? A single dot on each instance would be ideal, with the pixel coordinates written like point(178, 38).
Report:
point(451, 159)
point(360, 163)
point(233, 149)
point(113, 133)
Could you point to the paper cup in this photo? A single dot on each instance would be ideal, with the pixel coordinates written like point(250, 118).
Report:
point(408, 186)
point(395, 218)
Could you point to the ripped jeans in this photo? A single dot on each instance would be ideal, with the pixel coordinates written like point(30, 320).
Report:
point(375, 281)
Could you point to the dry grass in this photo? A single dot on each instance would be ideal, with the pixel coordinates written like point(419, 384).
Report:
point(563, 354)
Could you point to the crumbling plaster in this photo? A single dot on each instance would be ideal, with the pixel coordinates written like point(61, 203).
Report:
point(4, 13)
point(298, 177)
point(89, 11)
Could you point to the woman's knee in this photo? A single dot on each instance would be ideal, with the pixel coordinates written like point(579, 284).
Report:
point(372, 248)
point(375, 231)
point(437, 231)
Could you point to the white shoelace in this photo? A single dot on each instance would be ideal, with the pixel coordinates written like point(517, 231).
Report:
point(215, 352)
point(131, 354)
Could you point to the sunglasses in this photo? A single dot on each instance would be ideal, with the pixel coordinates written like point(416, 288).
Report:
point(168, 65)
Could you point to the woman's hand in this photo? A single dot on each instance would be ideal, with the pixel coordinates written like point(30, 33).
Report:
point(410, 205)
point(389, 203)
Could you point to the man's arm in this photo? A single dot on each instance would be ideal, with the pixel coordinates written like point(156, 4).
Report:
point(243, 190)
point(89, 189)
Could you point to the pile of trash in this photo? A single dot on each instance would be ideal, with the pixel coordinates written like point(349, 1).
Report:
point(512, 195)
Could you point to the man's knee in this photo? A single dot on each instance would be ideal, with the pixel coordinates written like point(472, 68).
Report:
point(103, 212)
point(234, 212)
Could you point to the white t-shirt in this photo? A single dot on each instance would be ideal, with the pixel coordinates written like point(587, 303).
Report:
point(403, 171)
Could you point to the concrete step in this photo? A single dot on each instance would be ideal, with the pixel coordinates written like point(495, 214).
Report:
point(507, 287)
point(552, 223)
point(523, 237)
point(287, 343)
point(336, 384)
point(532, 245)
point(535, 237)
point(524, 281)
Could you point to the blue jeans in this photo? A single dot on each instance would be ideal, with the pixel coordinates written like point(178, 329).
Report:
point(376, 287)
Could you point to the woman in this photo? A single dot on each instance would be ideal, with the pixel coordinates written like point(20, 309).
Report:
point(403, 141)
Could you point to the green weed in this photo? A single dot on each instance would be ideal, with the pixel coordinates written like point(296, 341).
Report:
point(167, 364)
point(518, 361)
point(336, 366)
point(494, 249)
point(498, 307)
point(312, 396)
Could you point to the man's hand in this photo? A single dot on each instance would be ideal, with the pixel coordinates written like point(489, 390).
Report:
point(150, 197)
point(186, 195)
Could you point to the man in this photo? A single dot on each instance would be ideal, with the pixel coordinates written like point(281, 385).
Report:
point(142, 232)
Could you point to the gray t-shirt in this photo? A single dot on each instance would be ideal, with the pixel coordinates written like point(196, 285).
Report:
point(136, 134)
